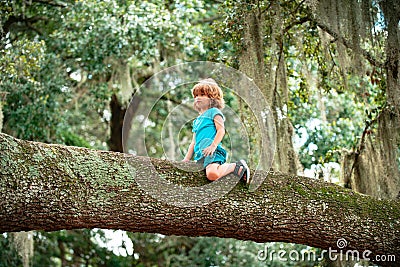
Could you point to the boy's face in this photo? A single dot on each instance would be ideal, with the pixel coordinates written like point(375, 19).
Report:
point(202, 102)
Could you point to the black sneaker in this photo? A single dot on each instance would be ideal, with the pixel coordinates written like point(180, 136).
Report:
point(244, 173)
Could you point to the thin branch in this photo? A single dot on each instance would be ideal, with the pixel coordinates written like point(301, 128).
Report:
point(298, 22)
point(361, 146)
point(29, 25)
point(276, 92)
point(206, 20)
point(347, 44)
point(3, 95)
point(265, 10)
point(51, 3)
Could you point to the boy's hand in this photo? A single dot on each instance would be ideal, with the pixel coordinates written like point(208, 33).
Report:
point(209, 151)
point(185, 160)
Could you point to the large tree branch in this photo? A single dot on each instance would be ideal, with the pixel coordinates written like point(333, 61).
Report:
point(53, 187)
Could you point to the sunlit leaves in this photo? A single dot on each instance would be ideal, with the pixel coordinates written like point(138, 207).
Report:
point(32, 110)
point(98, 33)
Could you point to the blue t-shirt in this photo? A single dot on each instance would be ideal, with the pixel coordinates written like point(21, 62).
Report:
point(205, 130)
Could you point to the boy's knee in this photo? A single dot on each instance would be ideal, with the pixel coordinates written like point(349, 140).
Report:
point(212, 175)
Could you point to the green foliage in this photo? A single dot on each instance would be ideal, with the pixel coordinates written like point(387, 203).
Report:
point(322, 136)
point(67, 248)
point(330, 114)
point(211, 251)
point(71, 139)
point(8, 253)
point(32, 110)
point(30, 19)
point(98, 35)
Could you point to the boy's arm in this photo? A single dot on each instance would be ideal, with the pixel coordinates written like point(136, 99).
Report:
point(190, 151)
point(220, 127)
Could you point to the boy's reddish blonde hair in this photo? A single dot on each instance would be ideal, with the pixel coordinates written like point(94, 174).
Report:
point(210, 88)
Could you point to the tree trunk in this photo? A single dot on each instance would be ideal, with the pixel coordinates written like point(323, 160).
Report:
point(116, 123)
point(53, 187)
point(23, 242)
point(391, 10)
point(389, 121)
point(117, 129)
point(1, 116)
point(2, 99)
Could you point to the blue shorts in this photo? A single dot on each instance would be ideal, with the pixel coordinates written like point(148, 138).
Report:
point(219, 157)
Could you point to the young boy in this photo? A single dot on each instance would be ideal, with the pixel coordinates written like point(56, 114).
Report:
point(208, 131)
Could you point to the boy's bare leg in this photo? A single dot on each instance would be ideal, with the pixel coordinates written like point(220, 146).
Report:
point(215, 171)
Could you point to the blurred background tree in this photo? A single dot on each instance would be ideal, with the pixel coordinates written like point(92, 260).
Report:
point(69, 69)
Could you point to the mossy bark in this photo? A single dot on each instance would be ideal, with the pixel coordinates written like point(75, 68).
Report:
point(271, 80)
point(54, 187)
